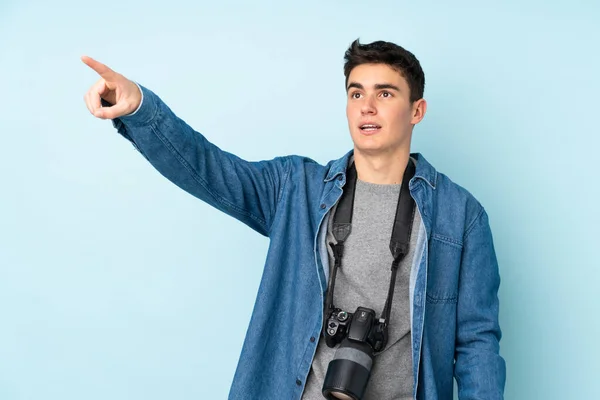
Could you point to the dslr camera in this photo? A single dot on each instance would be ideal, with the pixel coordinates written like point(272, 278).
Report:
point(360, 335)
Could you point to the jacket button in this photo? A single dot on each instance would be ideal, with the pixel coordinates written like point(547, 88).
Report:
point(298, 382)
point(340, 178)
point(312, 339)
point(323, 206)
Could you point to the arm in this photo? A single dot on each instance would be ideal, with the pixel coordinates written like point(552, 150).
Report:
point(248, 191)
point(479, 369)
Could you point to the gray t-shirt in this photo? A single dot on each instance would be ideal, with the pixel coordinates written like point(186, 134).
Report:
point(363, 280)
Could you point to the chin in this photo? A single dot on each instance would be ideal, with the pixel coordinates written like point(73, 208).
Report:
point(367, 144)
point(373, 145)
point(370, 149)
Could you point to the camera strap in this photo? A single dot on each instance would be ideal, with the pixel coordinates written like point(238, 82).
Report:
point(399, 242)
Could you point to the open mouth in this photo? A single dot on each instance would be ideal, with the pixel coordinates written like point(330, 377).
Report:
point(370, 128)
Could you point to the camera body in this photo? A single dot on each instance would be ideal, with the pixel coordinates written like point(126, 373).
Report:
point(360, 335)
point(360, 326)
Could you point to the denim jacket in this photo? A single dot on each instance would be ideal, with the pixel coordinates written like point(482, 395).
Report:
point(454, 278)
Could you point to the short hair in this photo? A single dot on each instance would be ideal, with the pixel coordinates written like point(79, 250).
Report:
point(391, 54)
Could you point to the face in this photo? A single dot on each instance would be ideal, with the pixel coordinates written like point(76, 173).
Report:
point(380, 115)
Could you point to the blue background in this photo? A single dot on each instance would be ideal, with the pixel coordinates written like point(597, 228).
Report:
point(116, 284)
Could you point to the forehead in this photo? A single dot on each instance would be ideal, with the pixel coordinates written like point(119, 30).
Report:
point(371, 74)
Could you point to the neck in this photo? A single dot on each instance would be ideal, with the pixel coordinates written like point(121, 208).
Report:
point(383, 169)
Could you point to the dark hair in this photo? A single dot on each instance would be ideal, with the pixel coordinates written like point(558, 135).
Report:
point(391, 54)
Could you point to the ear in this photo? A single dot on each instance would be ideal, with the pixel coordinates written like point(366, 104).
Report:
point(419, 108)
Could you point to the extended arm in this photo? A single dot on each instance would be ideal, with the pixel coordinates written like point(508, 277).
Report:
point(248, 191)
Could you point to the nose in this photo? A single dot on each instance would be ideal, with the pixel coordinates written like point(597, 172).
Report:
point(368, 106)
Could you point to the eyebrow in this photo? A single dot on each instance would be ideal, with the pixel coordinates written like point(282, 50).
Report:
point(377, 86)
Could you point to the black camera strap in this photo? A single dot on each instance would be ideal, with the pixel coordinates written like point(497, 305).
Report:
point(399, 242)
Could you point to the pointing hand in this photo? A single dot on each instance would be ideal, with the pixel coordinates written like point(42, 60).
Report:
point(123, 94)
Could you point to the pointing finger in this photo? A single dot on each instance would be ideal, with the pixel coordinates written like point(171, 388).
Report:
point(102, 70)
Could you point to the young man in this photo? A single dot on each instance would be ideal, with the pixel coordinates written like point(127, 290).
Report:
point(440, 292)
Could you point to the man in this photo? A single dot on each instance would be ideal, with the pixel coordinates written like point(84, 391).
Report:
point(442, 290)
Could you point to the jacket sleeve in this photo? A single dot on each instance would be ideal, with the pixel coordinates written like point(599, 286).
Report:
point(479, 369)
point(247, 191)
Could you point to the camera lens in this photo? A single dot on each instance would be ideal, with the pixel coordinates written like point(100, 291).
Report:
point(349, 371)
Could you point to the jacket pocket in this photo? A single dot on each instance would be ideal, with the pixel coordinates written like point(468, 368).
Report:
point(443, 270)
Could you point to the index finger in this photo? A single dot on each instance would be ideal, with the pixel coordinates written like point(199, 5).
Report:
point(100, 68)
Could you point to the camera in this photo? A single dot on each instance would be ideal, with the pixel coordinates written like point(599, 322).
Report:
point(360, 335)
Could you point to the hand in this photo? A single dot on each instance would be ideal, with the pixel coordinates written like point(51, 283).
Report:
point(123, 94)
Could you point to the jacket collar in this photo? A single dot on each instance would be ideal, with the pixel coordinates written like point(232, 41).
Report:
point(338, 167)
point(423, 171)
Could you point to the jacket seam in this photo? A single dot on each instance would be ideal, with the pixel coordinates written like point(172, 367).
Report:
point(200, 181)
point(447, 240)
point(441, 300)
point(281, 190)
point(472, 224)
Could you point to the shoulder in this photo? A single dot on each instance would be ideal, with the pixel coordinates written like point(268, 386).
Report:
point(306, 165)
point(455, 208)
point(454, 193)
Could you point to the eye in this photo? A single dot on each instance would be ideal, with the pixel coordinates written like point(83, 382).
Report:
point(355, 95)
point(386, 94)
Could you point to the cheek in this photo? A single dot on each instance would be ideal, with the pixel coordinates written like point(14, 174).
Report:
point(351, 114)
point(399, 117)
point(349, 109)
